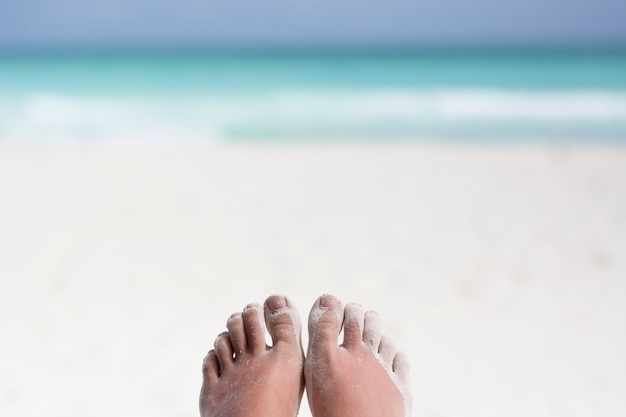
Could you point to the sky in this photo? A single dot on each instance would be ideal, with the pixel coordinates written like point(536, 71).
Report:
point(69, 23)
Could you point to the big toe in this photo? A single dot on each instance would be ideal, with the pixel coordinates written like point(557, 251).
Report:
point(282, 321)
point(325, 321)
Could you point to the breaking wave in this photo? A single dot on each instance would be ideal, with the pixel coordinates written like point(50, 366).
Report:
point(377, 114)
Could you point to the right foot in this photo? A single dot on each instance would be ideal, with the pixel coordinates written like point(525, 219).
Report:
point(363, 377)
point(242, 377)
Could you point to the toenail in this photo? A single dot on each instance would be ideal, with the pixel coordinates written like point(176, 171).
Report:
point(330, 302)
point(276, 303)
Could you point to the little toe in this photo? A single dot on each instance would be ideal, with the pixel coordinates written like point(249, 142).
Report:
point(254, 327)
point(282, 320)
point(372, 330)
point(224, 351)
point(210, 368)
point(402, 370)
point(325, 320)
point(401, 367)
point(353, 318)
point(235, 327)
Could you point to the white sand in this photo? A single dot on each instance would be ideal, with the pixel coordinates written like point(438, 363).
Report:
point(502, 271)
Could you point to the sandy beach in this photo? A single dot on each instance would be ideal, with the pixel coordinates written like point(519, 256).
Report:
point(500, 270)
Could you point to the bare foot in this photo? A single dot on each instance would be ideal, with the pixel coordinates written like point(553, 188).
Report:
point(243, 377)
point(363, 377)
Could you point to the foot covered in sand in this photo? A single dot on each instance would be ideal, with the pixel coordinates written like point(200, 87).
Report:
point(243, 377)
point(364, 376)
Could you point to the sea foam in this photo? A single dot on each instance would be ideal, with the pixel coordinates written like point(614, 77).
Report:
point(312, 113)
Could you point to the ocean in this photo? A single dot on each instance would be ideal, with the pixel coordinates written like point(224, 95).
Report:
point(560, 95)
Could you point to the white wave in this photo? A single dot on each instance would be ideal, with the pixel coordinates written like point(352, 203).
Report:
point(210, 117)
point(590, 105)
point(461, 104)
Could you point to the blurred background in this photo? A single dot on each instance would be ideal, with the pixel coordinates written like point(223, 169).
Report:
point(458, 166)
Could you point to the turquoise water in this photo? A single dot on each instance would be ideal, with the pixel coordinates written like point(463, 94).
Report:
point(437, 94)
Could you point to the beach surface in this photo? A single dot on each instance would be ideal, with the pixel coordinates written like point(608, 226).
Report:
point(500, 270)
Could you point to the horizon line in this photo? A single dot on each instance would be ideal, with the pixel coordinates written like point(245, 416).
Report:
point(311, 49)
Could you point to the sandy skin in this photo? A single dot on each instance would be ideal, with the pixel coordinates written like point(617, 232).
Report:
point(363, 377)
point(243, 377)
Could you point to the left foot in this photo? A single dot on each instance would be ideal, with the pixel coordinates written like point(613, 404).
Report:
point(243, 377)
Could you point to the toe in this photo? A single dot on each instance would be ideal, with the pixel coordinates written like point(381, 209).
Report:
point(387, 351)
point(282, 320)
point(224, 351)
point(254, 327)
point(325, 322)
point(210, 368)
point(372, 330)
point(401, 367)
point(353, 318)
point(402, 371)
point(235, 327)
